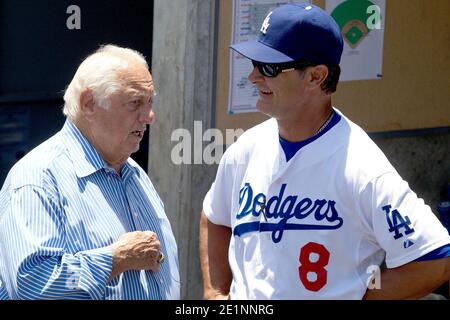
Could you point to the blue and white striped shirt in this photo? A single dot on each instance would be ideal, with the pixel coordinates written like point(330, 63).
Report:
point(3, 293)
point(61, 207)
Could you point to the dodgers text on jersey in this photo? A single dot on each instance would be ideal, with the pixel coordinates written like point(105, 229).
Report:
point(286, 208)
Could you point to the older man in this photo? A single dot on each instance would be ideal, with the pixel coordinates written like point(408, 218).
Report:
point(79, 219)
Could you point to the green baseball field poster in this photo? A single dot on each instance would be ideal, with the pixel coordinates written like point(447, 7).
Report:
point(362, 28)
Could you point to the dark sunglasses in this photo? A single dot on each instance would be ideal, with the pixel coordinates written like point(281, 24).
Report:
point(271, 70)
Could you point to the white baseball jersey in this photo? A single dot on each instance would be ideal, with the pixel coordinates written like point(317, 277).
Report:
point(319, 225)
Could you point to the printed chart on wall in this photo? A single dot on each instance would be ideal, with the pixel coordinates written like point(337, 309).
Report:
point(247, 16)
point(362, 27)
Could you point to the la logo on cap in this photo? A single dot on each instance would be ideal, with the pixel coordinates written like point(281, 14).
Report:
point(266, 24)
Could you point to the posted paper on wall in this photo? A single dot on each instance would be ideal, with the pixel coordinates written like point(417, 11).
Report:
point(362, 27)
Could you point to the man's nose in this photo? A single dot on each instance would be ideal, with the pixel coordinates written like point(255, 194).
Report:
point(255, 75)
point(148, 115)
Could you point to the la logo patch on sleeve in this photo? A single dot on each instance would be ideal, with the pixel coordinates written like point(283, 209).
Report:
point(396, 223)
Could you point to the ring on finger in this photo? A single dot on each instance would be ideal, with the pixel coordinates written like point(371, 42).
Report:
point(161, 257)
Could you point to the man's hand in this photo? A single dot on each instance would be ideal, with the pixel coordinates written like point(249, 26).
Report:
point(138, 250)
point(210, 295)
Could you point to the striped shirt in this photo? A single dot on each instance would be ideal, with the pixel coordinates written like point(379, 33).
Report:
point(61, 207)
point(3, 293)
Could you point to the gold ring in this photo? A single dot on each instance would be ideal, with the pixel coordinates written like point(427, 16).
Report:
point(161, 257)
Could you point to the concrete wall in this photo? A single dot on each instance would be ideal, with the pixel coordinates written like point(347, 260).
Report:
point(183, 71)
point(423, 161)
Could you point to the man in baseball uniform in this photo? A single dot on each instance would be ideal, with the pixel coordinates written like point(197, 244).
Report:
point(305, 205)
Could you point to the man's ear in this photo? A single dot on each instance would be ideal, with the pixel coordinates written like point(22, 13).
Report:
point(87, 103)
point(317, 75)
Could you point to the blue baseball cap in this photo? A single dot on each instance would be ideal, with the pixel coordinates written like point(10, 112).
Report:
point(295, 32)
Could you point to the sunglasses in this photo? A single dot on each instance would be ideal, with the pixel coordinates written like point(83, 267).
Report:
point(271, 70)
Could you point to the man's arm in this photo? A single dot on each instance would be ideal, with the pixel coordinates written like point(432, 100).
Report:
point(40, 266)
point(411, 281)
point(214, 243)
point(33, 245)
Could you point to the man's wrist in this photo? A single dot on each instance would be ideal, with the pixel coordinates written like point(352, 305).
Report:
point(118, 261)
point(214, 294)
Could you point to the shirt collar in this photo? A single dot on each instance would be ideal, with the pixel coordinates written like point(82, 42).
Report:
point(129, 168)
point(86, 160)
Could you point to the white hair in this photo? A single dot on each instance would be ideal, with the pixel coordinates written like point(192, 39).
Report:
point(100, 73)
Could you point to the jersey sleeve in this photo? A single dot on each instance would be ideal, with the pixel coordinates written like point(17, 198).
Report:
point(218, 200)
point(439, 253)
point(399, 221)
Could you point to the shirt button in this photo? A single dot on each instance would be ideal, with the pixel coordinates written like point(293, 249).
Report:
point(135, 214)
